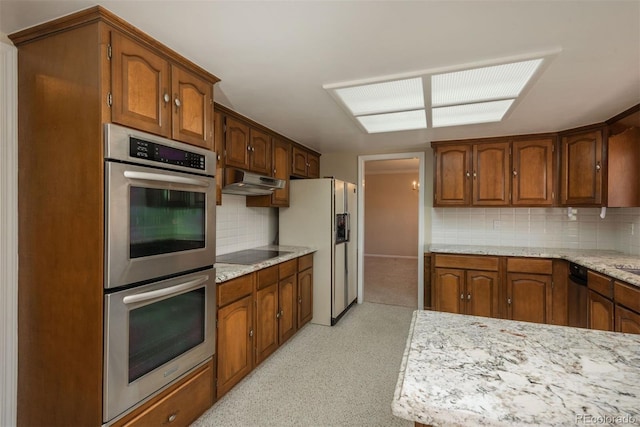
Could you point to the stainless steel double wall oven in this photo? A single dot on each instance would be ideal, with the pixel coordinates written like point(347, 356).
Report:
point(159, 278)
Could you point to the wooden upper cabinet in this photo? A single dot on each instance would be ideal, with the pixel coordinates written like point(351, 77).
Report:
point(154, 95)
point(218, 147)
point(236, 144)
point(452, 175)
point(141, 84)
point(281, 170)
point(259, 152)
point(304, 163)
point(192, 118)
point(532, 172)
point(491, 183)
point(581, 169)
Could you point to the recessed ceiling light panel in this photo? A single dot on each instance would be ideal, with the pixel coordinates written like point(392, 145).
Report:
point(466, 114)
point(397, 95)
point(390, 122)
point(482, 84)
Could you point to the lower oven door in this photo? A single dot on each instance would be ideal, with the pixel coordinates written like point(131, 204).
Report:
point(154, 334)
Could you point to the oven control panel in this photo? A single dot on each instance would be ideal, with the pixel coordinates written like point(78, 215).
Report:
point(152, 151)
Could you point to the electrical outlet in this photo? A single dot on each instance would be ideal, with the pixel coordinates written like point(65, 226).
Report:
point(497, 224)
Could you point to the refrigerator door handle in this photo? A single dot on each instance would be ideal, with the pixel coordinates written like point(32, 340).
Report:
point(348, 232)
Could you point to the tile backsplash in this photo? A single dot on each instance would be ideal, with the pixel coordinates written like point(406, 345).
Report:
point(239, 227)
point(535, 227)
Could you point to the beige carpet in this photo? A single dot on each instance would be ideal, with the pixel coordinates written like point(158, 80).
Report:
point(391, 281)
point(343, 375)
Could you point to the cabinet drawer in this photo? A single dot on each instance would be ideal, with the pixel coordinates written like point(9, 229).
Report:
point(529, 265)
point(627, 295)
point(234, 289)
point(267, 276)
point(180, 405)
point(468, 262)
point(287, 268)
point(305, 261)
point(600, 283)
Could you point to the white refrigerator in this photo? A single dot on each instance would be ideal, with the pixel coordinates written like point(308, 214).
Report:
point(322, 214)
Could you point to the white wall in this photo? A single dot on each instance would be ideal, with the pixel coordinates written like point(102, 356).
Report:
point(239, 227)
point(539, 227)
point(8, 233)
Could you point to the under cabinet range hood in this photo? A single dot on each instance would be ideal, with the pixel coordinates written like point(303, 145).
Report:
point(237, 181)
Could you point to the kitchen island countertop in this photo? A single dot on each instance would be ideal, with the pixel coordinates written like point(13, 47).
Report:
point(603, 261)
point(472, 371)
point(225, 272)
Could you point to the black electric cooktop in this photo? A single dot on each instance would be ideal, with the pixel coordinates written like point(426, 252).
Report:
point(249, 256)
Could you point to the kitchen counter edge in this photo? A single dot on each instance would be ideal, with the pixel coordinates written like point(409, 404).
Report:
point(226, 272)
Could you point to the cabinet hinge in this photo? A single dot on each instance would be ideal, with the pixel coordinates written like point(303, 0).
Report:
point(109, 51)
point(109, 99)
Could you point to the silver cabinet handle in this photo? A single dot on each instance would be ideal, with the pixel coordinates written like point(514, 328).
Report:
point(146, 296)
point(171, 418)
point(251, 333)
point(147, 176)
point(277, 315)
point(166, 98)
point(177, 102)
point(474, 174)
point(515, 172)
point(598, 167)
point(281, 313)
point(461, 296)
point(467, 174)
point(468, 297)
point(509, 301)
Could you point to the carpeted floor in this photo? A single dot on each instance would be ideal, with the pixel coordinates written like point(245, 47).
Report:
point(343, 375)
point(391, 281)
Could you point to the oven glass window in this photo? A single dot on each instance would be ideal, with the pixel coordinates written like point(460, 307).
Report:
point(165, 221)
point(163, 330)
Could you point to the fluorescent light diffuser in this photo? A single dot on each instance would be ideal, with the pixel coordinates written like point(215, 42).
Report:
point(482, 84)
point(389, 122)
point(397, 95)
point(466, 114)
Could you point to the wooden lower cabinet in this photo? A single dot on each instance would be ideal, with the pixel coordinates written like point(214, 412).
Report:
point(180, 405)
point(266, 322)
point(288, 303)
point(235, 343)
point(600, 312)
point(627, 321)
point(527, 297)
point(305, 290)
point(458, 290)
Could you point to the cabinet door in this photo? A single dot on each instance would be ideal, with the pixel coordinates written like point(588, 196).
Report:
point(218, 147)
point(288, 305)
point(313, 166)
point(299, 162)
point(627, 321)
point(266, 322)
point(532, 172)
point(452, 175)
point(600, 312)
point(260, 153)
point(482, 293)
point(235, 337)
point(236, 144)
point(192, 117)
point(491, 183)
point(449, 290)
point(141, 83)
point(305, 297)
point(528, 297)
point(281, 167)
point(581, 169)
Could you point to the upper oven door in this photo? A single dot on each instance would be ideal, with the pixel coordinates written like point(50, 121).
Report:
point(158, 223)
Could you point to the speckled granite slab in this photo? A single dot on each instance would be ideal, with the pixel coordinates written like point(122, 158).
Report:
point(226, 272)
point(460, 370)
point(605, 262)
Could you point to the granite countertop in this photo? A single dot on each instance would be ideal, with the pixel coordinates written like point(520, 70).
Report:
point(226, 272)
point(602, 261)
point(475, 371)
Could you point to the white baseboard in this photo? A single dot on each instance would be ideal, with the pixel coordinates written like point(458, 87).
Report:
point(390, 256)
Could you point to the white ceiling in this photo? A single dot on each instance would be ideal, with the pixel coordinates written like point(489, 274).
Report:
point(274, 57)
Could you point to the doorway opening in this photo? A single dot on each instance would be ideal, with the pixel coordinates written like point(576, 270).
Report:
point(391, 229)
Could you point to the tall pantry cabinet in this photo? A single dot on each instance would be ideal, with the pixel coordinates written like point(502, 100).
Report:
point(76, 74)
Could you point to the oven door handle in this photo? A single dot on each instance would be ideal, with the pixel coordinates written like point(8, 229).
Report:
point(146, 296)
point(147, 176)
